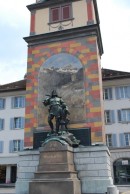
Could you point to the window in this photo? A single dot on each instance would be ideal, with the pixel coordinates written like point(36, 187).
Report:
point(124, 139)
point(60, 13)
point(107, 94)
point(16, 145)
point(2, 103)
point(1, 124)
point(122, 92)
point(109, 116)
point(127, 139)
point(17, 123)
point(18, 102)
point(124, 115)
point(111, 140)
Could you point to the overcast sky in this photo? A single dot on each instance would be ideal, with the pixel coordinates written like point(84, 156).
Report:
point(15, 22)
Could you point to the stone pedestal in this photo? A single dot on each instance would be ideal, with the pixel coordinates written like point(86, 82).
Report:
point(56, 172)
point(92, 164)
point(94, 170)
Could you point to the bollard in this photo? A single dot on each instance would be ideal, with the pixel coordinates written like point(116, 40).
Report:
point(112, 190)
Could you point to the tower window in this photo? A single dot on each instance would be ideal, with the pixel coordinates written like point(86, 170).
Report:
point(60, 13)
point(55, 14)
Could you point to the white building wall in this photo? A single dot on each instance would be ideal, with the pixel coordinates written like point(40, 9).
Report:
point(117, 104)
point(6, 135)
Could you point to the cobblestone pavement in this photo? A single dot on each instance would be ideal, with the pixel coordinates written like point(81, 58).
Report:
point(124, 189)
point(7, 190)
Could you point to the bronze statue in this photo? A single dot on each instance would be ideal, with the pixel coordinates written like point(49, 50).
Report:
point(58, 110)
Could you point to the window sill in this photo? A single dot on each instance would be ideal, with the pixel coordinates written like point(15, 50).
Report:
point(109, 123)
point(127, 122)
point(17, 128)
point(60, 21)
point(108, 99)
point(122, 98)
point(17, 107)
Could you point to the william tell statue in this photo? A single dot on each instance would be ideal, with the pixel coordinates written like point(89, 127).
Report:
point(58, 110)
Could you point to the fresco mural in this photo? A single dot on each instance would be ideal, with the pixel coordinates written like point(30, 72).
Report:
point(64, 73)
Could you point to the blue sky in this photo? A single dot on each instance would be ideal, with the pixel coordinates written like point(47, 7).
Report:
point(15, 22)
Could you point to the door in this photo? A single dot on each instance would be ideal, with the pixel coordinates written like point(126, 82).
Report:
point(13, 174)
point(2, 174)
point(122, 171)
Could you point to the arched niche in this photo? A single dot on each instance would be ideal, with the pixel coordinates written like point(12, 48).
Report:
point(64, 73)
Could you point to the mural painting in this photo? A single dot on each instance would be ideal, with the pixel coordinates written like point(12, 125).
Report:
point(63, 73)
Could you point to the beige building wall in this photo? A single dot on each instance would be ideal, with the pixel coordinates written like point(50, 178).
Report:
point(79, 10)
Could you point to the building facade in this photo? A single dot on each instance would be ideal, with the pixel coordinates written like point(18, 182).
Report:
point(12, 113)
point(116, 90)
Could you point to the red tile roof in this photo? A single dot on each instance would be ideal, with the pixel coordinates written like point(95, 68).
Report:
point(14, 86)
point(109, 74)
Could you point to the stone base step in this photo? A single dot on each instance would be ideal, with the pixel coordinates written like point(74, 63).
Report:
point(55, 175)
point(55, 187)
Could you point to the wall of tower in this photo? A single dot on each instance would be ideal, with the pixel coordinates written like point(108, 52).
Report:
point(85, 49)
point(83, 14)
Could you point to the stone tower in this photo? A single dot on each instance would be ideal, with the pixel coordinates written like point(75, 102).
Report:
point(64, 51)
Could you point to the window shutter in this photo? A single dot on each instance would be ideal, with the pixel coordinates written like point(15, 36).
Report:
point(3, 122)
point(119, 115)
point(23, 101)
point(22, 122)
point(110, 93)
point(122, 139)
point(114, 140)
point(123, 115)
point(128, 91)
point(128, 115)
point(11, 146)
point(65, 12)
point(1, 146)
point(117, 93)
point(0, 124)
point(112, 116)
point(21, 145)
point(12, 102)
point(2, 103)
point(55, 14)
point(12, 123)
